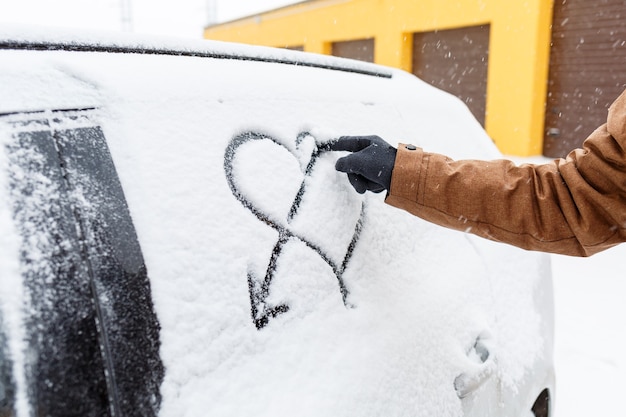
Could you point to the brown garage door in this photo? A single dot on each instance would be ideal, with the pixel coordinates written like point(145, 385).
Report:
point(361, 49)
point(456, 61)
point(587, 70)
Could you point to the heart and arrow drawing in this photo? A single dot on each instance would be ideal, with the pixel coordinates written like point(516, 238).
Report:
point(260, 289)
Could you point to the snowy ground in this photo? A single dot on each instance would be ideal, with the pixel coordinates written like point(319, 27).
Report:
point(590, 295)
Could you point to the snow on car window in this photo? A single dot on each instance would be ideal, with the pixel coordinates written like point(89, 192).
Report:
point(86, 293)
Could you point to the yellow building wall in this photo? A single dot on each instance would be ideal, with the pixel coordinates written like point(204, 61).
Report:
point(518, 52)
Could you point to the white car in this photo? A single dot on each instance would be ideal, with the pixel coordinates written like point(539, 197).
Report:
point(175, 241)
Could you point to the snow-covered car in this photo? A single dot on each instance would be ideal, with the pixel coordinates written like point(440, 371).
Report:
point(175, 241)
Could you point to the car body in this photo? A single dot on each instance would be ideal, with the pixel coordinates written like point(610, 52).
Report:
point(175, 240)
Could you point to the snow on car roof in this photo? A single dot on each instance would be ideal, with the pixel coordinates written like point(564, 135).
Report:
point(37, 38)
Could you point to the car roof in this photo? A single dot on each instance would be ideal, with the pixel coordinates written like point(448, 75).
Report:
point(29, 38)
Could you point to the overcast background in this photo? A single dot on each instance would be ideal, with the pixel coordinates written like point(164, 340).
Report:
point(182, 18)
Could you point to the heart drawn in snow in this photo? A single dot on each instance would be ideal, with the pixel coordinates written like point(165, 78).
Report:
point(251, 199)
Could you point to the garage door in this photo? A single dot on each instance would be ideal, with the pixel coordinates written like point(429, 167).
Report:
point(361, 49)
point(587, 70)
point(456, 61)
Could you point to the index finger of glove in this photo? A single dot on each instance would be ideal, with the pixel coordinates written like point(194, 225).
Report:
point(351, 143)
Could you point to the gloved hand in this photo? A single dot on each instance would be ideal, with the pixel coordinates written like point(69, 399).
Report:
point(371, 164)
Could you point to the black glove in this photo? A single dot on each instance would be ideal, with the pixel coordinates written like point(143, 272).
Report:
point(371, 164)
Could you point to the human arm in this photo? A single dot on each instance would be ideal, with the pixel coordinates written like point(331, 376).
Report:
point(574, 206)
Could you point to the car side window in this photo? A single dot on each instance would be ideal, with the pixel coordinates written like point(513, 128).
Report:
point(92, 333)
point(7, 385)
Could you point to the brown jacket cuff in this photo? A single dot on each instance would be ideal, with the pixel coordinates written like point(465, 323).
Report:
point(408, 176)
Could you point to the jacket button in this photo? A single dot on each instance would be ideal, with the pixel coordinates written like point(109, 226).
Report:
point(410, 147)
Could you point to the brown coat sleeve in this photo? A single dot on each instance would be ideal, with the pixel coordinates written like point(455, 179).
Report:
point(573, 206)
